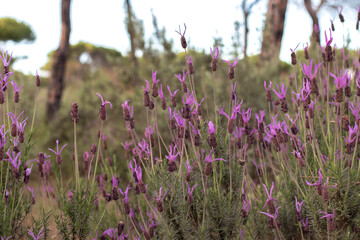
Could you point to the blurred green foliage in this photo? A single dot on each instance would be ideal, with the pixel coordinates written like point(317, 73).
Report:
point(13, 30)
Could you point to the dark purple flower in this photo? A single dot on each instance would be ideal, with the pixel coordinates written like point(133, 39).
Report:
point(33, 192)
point(15, 161)
point(211, 128)
point(261, 117)
point(267, 88)
point(158, 196)
point(4, 58)
point(355, 109)
point(231, 65)
point(307, 70)
point(215, 53)
point(209, 159)
point(172, 95)
point(103, 103)
point(161, 93)
point(331, 219)
point(190, 190)
point(183, 78)
point(273, 216)
point(298, 205)
point(340, 80)
point(172, 156)
point(102, 111)
point(149, 131)
point(270, 199)
point(319, 182)
point(328, 41)
point(38, 236)
point(246, 115)
point(189, 98)
point(58, 152)
point(125, 194)
point(281, 93)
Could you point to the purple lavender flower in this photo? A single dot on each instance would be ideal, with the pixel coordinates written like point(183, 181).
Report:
point(331, 219)
point(182, 39)
point(307, 70)
point(126, 110)
point(159, 199)
point(268, 92)
point(102, 111)
point(172, 96)
point(38, 236)
point(149, 132)
point(14, 123)
point(215, 53)
point(125, 193)
point(182, 81)
point(258, 168)
point(6, 62)
point(33, 192)
point(231, 68)
point(293, 55)
point(298, 209)
point(6, 238)
point(328, 41)
point(214, 56)
point(306, 51)
point(189, 62)
point(281, 93)
point(340, 14)
point(145, 231)
point(15, 162)
point(144, 147)
point(270, 200)
point(340, 80)
point(183, 78)
point(209, 159)
point(273, 221)
point(27, 173)
point(58, 152)
point(305, 224)
point(16, 91)
point(172, 156)
point(190, 192)
point(245, 208)
point(211, 128)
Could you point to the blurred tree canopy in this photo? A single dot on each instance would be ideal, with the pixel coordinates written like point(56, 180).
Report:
point(13, 30)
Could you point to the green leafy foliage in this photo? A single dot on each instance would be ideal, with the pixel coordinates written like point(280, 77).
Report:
point(13, 30)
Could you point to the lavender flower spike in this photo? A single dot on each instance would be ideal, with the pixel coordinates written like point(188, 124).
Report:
point(5, 61)
point(211, 128)
point(39, 235)
point(102, 111)
point(269, 200)
point(298, 209)
point(58, 152)
point(281, 93)
point(159, 199)
point(190, 191)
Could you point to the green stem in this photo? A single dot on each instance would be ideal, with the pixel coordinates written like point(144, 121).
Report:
point(97, 154)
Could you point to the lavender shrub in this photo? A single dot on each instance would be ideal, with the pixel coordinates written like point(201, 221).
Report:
point(290, 172)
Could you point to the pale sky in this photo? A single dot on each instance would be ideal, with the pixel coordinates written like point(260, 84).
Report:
point(102, 23)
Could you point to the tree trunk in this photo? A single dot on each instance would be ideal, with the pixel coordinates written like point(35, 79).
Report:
point(246, 23)
point(315, 20)
point(131, 32)
point(274, 29)
point(59, 63)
